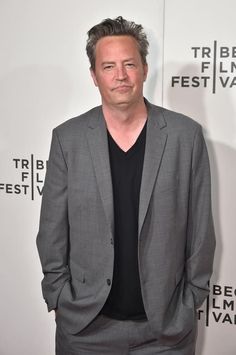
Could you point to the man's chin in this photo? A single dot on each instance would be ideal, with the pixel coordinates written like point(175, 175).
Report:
point(122, 104)
point(123, 100)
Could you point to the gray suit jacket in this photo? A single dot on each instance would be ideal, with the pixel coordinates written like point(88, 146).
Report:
point(176, 235)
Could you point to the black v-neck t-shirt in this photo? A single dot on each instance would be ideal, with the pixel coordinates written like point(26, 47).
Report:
point(125, 298)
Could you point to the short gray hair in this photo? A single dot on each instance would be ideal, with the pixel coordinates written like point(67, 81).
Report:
point(116, 27)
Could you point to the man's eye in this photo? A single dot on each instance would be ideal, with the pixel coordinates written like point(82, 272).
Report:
point(129, 65)
point(108, 67)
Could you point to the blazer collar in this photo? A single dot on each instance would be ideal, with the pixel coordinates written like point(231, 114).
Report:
point(154, 113)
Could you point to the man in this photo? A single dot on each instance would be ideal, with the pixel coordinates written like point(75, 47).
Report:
point(126, 237)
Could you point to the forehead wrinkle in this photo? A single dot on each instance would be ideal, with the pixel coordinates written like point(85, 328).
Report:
point(114, 61)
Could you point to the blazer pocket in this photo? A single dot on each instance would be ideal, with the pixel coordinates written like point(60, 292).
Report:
point(78, 274)
point(71, 289)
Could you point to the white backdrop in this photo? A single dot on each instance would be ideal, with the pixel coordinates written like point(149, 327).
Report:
point(44, 80)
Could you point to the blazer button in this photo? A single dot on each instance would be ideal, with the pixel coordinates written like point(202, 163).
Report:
point(109, 282)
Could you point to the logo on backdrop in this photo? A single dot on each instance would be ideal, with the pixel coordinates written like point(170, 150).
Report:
point(217, 68)
point(220, 306)
point(29, 176)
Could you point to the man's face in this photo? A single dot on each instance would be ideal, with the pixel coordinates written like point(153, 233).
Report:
point(119, 72)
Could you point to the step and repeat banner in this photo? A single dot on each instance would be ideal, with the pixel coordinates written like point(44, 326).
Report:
point(45, 79)
point(199, 79)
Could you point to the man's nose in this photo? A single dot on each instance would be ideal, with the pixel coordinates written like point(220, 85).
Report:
point(121, 73)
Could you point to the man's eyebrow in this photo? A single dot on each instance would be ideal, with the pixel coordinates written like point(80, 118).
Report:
point(129, 59)
point(108, 62)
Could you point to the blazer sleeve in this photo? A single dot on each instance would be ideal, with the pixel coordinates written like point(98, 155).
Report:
point(200, 232)
point(53, 235)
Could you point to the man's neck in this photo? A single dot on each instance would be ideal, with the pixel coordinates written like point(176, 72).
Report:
point(125, 123)
point(126, 117)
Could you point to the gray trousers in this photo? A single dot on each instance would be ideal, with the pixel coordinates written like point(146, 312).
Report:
point(105, 336)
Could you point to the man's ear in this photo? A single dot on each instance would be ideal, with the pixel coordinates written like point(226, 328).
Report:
point(93, 75)
point(145, 72)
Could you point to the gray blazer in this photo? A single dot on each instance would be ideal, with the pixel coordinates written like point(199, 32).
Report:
point(176, 236)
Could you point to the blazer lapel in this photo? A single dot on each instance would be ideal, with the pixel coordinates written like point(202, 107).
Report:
point(155, 146)
point(98, 144)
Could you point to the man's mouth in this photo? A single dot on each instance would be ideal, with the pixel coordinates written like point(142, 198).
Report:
point(122, 88)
